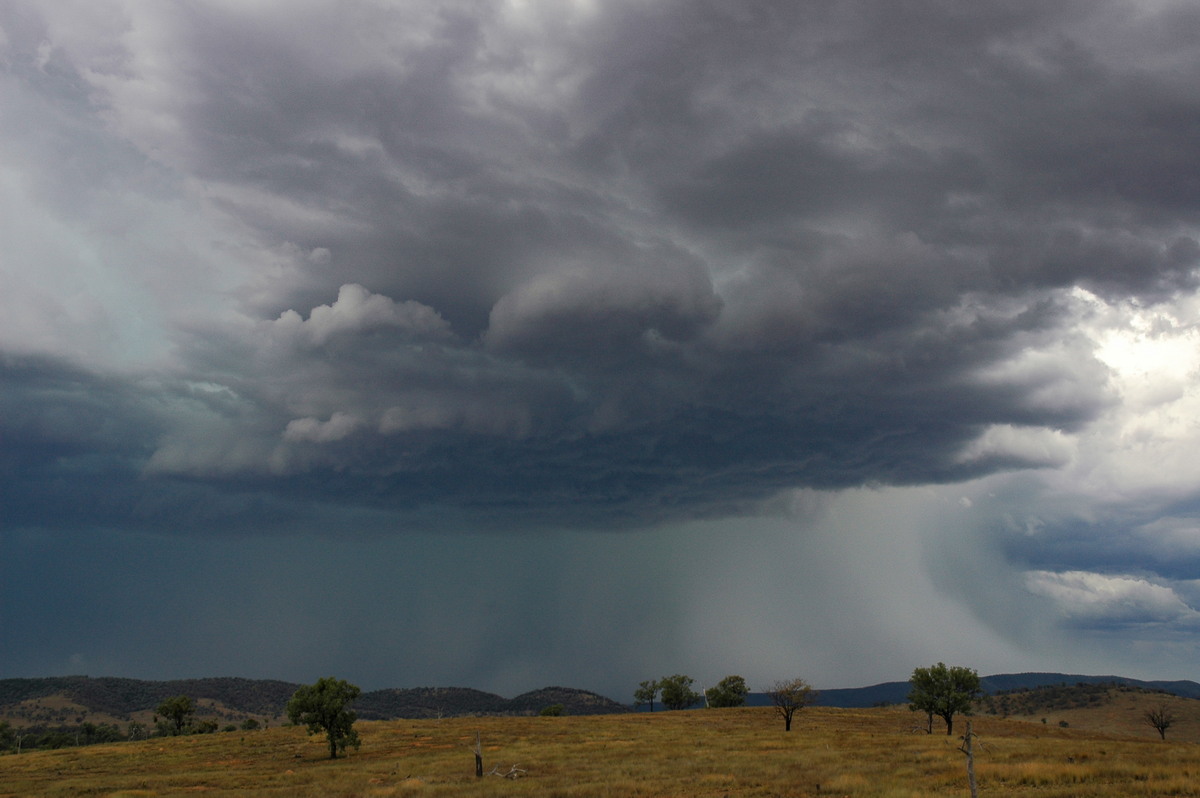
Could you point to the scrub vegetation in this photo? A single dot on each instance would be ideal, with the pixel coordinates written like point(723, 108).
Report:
point(717, 752)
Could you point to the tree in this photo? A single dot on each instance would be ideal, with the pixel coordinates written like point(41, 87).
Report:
point(1161, 719)
point(789, 697)
point(729, 692)
point(322, 707)
point(206, 726)
point(178, 711)
point(945, 692)
point(645, 694)
point(677, 692)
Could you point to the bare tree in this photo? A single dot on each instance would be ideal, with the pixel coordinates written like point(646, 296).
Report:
point(789, 697)
point(1161, 719)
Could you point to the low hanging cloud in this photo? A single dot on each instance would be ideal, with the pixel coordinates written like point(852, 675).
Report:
point(1028, 448)
point(1098, 600)
point(310, 429)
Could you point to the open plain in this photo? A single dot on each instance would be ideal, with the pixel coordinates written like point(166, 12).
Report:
point(732, 752)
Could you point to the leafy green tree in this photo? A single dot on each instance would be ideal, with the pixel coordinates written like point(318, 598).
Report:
point(646, 693)
point(676, 691)
point(789, 697)
point(552, 711)
point(323, 707)
point(729, 692)
point(250, 724)
point(206, 726)
point(178, 711)
point(945, 692)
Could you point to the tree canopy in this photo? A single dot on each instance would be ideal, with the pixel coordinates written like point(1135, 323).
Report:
point(677, 692)
point(729, 692)
point(178, 710)
point(942, 691)
point(646, 693)
point(323, 707)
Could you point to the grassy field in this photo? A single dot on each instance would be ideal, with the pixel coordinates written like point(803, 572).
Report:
point(732, 752)
point(1122, 712)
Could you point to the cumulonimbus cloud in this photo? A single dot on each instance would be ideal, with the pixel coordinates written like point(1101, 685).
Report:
point(532, 261)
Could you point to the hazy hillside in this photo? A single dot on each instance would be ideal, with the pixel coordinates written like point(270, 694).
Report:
point(897, 692)
point(1107, 708)
point(63, 698)
point(68, 699)
point(436, 702)
point(426, 702)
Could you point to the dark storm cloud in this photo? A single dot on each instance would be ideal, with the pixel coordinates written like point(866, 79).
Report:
point(622, 264)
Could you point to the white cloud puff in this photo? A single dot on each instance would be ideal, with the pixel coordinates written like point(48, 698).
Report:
point(339, 426)
point(358, 310)
point(1028, 446)
point(1091, 599)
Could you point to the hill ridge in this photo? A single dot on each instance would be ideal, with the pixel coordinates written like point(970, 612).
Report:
point(897, 692)
point(121, 697)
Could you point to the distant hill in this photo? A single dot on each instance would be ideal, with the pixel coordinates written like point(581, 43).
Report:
point(1103, 707)
point(66, 699)
point(433, 702)
point(897, 692)
point(1058, 698)
point(61, 700)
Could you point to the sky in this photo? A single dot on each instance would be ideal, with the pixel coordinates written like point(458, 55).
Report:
point(520, 343)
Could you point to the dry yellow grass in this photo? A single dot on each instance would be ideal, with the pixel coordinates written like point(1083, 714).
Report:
point(1124, 713)
point(735, 753)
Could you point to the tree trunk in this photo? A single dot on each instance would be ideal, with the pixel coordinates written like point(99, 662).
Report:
point(949, 725)
point(787, 722)
point(332, 747)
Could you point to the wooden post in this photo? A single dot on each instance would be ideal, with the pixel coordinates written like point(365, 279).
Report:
point(969, 749)
point(478, 757)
